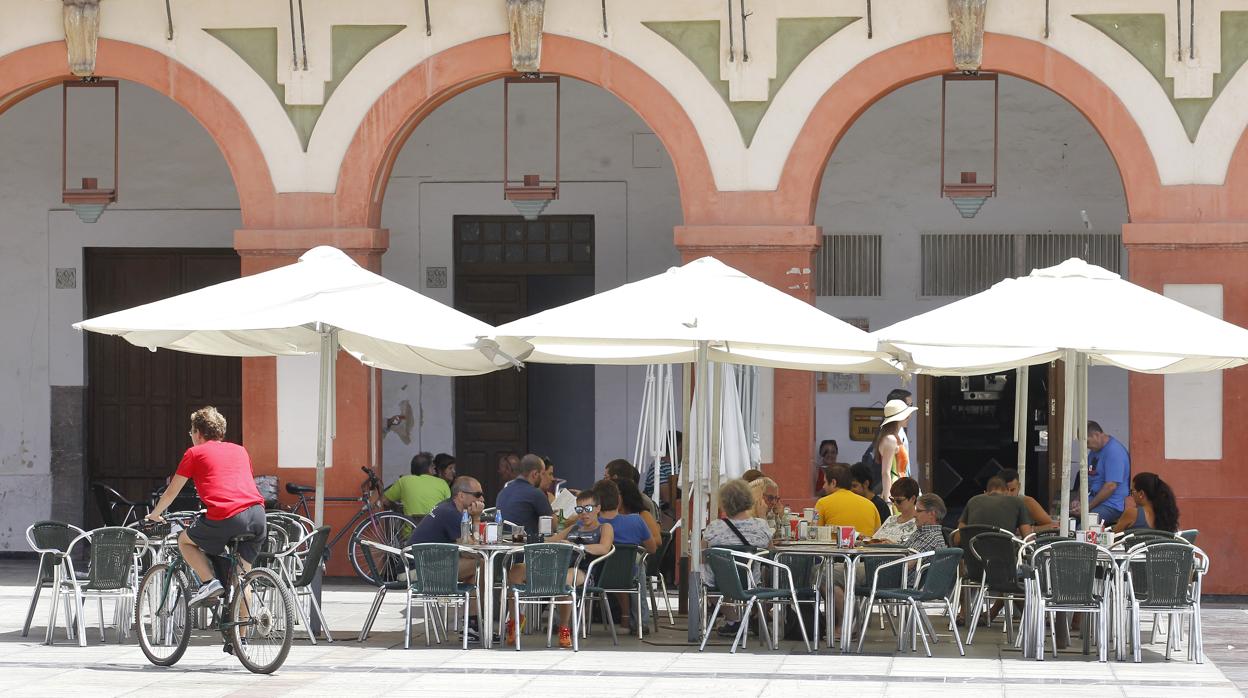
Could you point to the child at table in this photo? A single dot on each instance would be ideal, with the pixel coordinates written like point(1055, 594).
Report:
point(596, 537)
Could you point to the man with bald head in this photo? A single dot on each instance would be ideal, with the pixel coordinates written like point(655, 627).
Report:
point(442, 525)
point(521, 502)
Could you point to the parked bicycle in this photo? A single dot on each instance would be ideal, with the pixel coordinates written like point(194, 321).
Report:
point(255, 616)
point(370, 523)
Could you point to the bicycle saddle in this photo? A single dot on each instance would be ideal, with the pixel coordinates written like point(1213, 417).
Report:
point(299, 489)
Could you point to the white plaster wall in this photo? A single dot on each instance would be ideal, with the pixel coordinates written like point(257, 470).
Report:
point(452, 165)
point(883, 178)
point(175, 191)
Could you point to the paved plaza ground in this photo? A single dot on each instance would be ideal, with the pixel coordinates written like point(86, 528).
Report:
point(660, 666)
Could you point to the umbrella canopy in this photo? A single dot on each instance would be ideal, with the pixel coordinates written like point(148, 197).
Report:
point(1077, 312)
point(316, 305)
point(282, 312)
point(663, 318)
point(1073, 306)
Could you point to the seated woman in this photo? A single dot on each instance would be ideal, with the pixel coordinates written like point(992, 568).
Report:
point(904, 494)
point(1155, 506)
point(631, 502)
point(596, 537)
point(766, 498)
point(738, 527)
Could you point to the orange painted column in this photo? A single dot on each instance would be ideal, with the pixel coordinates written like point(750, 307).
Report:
point(1212, 494)
point(262, 250)
point(783, 257)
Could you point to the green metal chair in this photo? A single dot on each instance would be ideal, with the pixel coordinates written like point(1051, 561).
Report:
point(710, 588)
point(654, 577)
point(865, 576)
point(297, 565)
point(50, 539)
point(807, 581)
point(938, 581)
point(1166, 578)
point(613, 573)
point(433, 578)
point(726, 564)
point(546, 583)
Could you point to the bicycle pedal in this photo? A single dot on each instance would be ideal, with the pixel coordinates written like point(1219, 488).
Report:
point(227, 648)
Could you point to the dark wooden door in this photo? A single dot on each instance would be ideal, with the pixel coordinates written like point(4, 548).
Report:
point(490, 410)
point(138, 401)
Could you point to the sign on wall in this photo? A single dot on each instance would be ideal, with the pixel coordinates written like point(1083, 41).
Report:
point(846, 382)
point(864, 421)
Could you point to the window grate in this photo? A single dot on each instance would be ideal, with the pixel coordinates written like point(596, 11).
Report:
point(962, 264)
point(1049, 249)
point(849, 265)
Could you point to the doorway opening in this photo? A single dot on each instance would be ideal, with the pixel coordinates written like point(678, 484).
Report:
point(139, 401)
point(507, 267)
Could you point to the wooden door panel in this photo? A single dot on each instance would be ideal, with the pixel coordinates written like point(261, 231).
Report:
point(138, 401)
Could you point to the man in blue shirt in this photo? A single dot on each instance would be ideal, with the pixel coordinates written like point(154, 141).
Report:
point(1109, 472)
point(520, 501)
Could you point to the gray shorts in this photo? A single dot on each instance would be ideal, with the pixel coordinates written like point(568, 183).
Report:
point(212, 536)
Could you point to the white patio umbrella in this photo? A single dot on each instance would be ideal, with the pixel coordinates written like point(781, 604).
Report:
point(656, 430)
point(1046, 315)
point(702, 312)
point(318, 304)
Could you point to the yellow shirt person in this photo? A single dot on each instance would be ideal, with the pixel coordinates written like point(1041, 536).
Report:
point(844, 508)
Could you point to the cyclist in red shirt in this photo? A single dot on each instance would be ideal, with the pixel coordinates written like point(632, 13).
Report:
point(222, 474)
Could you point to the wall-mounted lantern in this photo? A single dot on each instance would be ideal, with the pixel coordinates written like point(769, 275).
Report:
point(969, 193)
point(531, 194)
point(89, 200)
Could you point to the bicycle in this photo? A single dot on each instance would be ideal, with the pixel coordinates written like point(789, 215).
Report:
point(388, 528)
point(254, 616)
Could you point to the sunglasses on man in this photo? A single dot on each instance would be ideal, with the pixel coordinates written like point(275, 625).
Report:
point(585, 508)
point(477, 495)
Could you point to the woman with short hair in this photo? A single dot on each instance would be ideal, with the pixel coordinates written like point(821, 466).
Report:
point(904, 495)
point(739, 527)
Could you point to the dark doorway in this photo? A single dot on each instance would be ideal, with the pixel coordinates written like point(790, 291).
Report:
point(138, 401)
point(507, 268)
point(972, 434)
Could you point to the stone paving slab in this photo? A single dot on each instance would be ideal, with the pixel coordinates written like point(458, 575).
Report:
point(661, 665)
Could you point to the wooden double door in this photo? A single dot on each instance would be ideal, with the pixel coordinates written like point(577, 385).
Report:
point(507, 268)
point(139, 402)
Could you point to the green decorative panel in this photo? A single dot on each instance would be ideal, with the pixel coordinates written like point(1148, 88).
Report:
point(349, 44)
point(1144, 37)
point(795, 39)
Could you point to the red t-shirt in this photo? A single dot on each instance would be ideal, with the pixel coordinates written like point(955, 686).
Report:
point(222, 474)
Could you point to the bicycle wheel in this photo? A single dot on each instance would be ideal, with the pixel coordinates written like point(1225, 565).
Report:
point(263, 611)
point(373, 566)
point(162, 616)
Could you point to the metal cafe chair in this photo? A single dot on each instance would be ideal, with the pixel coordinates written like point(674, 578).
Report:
point(616, 573)
point(938, 581)
point(110, 573)
point(1172, 574)
point(51, 539)
point(433, 579)
point(997, 557)
point(546, 583)
point(725, 564)
point(310, 553)
point(1075, 577)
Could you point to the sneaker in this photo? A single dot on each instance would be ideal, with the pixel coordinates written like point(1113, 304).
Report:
point(207, 592)
point(729, 629)
point(565, 637)
point(474, 635)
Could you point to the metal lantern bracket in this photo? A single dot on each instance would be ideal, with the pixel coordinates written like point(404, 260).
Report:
point(968, 194)
point(89, 200)
point(531, 195)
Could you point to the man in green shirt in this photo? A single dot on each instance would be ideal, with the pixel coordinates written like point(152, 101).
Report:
point(419, 492)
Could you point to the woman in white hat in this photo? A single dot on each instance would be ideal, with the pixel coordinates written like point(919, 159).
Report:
point(890, 451)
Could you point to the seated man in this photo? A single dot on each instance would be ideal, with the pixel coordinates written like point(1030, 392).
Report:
point(997, 508)
point(419, 492)
point(841, 507)
point(520, 501)
point(863, 482)
point(443, 525)
point(1040, 519)
point(227, 487)
point(597, 539)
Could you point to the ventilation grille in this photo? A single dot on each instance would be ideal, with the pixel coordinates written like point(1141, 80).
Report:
point(962, 264)
point(1049, 249)
point(849, 265)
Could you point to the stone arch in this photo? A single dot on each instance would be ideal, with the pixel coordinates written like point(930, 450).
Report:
point(29, 70)
point(400, 109)
point(881, 74)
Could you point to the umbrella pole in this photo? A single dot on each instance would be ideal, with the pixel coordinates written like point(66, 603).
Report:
point(1021, 426)
point(695, 494)
point(324, 427)
point(1069, 401)
point(1081, 435)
